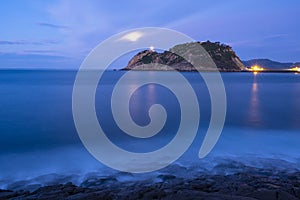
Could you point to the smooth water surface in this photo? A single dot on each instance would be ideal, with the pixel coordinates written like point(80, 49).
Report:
point(38, 136)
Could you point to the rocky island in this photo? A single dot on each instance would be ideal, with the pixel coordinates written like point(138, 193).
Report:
point(223, 56)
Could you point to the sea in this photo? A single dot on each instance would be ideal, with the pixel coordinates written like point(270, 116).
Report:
point(39, 143)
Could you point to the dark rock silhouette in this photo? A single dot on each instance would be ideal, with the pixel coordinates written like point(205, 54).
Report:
point(222, 55)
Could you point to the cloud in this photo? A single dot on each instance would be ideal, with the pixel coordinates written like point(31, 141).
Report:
point(245, 43)
point(37, 61)
point(275, 38)
point(90, 22)
point(5, 42)
point(40, 51)
point(51, 25)
point(133, 36)
point(23, 42)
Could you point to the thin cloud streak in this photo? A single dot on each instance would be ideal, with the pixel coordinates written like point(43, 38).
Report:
point(40, 51)
point(52, 25)
point(38, 43)
point(276, 36)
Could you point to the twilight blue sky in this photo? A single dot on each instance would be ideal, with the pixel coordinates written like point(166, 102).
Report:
point(60, 33)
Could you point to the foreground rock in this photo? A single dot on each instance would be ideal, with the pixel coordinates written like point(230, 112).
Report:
point(251, 183)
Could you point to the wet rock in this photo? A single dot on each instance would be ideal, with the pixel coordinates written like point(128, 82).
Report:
point(166, 177)
point(98, 181)
point(8, 194)
point(5, 194)
point(265, 194)
point(243, 184)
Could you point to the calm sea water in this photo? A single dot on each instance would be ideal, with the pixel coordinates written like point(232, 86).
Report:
point(38, 136)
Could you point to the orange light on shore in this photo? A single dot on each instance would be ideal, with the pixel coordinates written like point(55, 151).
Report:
point(256, 68)
point(295, 69)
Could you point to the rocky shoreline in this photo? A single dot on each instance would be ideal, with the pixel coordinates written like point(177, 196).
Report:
point(245, 183)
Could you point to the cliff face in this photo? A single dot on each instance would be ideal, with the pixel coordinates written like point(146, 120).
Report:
point(223, 56)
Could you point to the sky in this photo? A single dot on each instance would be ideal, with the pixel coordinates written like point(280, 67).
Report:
point(59, 34)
